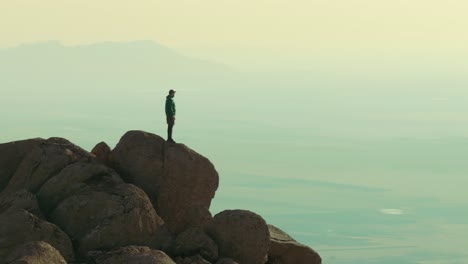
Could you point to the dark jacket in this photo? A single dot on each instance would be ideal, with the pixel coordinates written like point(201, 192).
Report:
point(170, 106)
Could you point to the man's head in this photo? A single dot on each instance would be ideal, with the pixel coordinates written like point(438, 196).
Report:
point(171, 92)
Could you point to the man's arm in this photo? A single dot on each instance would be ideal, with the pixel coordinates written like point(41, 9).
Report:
point(173, 108)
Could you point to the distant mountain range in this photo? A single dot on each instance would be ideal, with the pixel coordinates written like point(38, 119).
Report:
point(51, 66)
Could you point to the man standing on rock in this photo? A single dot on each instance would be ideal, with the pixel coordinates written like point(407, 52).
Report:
point(170, 114)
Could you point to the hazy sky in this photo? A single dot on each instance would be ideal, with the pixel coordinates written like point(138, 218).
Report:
point(227, 29)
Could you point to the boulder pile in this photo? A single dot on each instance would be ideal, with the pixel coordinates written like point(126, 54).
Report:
point(145, 201)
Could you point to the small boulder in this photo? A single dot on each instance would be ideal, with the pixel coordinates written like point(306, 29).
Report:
point(285, 250)
point(241, 235)
point(132, 255)
point(195, 241)
point(102, 152)
point(36, 252)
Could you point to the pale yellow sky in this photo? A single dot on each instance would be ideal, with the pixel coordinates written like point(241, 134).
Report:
point(292, 28)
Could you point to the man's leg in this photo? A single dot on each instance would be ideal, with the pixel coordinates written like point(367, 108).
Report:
point(169, 131)
point(170, 125)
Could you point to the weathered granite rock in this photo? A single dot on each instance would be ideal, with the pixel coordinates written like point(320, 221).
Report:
point(19, 227)
point(92, 204)
point(36, 252)
point(194, 241)
point(285, 250)
point(102, 152)
point(43, 161)
point(240, 235)
point(22, 199)
point(85, 195)
point(132, 255)
point(11, 155)
point(104, 220)
point(179, 181)
point(76, 178)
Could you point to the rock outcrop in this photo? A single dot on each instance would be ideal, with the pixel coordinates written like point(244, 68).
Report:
point(145, 201)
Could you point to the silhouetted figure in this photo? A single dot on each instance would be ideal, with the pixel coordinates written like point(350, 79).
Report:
point(170, 114)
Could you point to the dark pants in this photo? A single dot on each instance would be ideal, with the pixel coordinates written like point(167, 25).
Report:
point(170, 125)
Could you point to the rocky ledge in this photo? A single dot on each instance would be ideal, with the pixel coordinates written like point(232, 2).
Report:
point(145, 201)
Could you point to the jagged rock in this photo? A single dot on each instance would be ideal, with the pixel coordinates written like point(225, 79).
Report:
point(194, 241)
point(19, 227)
point(11, 155)
point(179, 181)
point(22, 199)
point(197, 259)
point(132, 255)
point(36, 252)
point(240, 235)
point(285, 250)
point(43, 161)
point(102, 152)
point(226, 261)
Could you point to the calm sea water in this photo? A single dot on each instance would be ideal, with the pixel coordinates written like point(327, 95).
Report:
point(366, 176)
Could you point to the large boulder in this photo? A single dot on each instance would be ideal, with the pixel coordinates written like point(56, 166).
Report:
point(129, 219)
point(132, 255)
point(285, 250)
point(43, 161)
point(20, 227)
point(11, 155)
point(92, 204)
point(194, 241)
point(36, 252)
point(76, 178)
point(179, 181)
point(241, 235)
